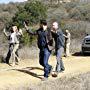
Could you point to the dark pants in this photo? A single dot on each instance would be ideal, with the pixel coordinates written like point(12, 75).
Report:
point(11, 46)
point(43, 60)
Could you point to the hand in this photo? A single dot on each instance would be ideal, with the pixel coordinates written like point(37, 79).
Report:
point(4, 30)
point(20, 31)
point(54, 31)
point(25, 26)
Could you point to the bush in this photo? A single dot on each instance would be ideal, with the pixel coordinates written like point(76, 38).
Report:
point(33, 12)
point(80, 12)
point(77, 28)
point(69, 6)
point(58, 14)
point(27, 39)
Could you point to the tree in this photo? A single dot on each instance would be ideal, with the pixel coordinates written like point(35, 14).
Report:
point(32, 11)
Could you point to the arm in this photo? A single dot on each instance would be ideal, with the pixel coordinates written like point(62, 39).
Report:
point(65, 36)
point(26, 27)
point(29, 30)
point(54, 33)
point(4, 31)
point(20, 33)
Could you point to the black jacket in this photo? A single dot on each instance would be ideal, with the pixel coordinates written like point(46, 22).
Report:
point(44, 39)
point(59, 39)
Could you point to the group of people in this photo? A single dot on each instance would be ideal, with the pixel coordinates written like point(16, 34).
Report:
point(48, 39)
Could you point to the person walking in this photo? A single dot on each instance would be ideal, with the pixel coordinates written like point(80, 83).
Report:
point(13, 46)
point(45, 45)
point(67, 36)
point(59, 47)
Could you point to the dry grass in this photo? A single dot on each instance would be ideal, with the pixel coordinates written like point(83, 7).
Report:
point(33, 51)
point(24, 52)
point(67, 82)
point(80, 82)
point(29, 52)
point(75, 45)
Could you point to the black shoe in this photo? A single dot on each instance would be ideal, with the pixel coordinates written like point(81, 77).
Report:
point(63, 69)
point(55, 74)
point(7, 62)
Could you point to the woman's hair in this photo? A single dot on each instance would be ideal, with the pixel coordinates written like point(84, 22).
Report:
point(11, 29)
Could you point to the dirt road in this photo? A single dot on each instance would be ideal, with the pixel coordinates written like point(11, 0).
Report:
point(29, 72)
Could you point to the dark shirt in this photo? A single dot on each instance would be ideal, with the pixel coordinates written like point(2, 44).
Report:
point(44, 37)
point(59, 39)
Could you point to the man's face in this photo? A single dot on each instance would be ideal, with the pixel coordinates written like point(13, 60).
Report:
point(55, 25)
point(44, 27)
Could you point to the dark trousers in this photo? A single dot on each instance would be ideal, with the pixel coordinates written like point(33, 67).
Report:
point(11, 46)
point(43, 60)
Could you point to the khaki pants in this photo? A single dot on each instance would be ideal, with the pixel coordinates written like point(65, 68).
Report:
point(68, 49)
point(14, 55)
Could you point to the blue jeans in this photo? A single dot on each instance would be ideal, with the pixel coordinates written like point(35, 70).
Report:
point(60, 65)
point(43, 60)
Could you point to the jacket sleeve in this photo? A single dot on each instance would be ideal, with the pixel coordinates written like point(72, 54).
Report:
point(31, 32)
point(61, 37)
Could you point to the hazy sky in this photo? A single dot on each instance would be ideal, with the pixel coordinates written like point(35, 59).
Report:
point(7, 1)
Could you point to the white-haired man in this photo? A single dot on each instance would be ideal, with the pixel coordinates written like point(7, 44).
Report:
point(59, 47)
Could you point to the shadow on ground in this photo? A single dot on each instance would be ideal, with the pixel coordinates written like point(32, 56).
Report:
point(29, 70)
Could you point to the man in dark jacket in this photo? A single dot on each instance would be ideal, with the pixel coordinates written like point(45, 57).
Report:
point(45, 42)
point(59, 47)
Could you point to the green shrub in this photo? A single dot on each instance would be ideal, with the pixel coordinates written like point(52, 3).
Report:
point(33, 12)
point(27, 39)
point(80, 12)
point(69, 6)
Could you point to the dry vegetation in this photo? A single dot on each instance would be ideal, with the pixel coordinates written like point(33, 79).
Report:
point(72, 16)
point(80, 82)
point(29, 52)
